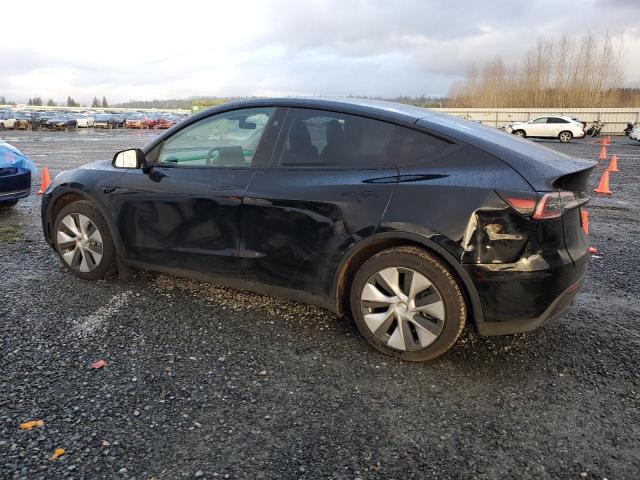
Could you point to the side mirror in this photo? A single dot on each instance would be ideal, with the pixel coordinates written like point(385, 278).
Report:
point(132, 158)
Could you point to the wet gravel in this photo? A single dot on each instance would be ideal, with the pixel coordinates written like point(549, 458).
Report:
point(206, 382)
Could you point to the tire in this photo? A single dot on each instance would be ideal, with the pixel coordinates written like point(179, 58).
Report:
point(2, 127)
point(86, 263)
point(379, 321)
point(565, 136)
point(29, 127)
point(520, 133)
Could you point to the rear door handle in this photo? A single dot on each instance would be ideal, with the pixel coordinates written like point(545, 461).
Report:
point(109, 190)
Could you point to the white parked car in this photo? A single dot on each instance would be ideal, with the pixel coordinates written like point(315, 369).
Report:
point(562, 128)
point(85, 121)
point(635, 134)
point(7, 120)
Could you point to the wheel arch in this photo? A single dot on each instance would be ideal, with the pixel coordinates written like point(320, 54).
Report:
point(69, 195)
point(359, 253)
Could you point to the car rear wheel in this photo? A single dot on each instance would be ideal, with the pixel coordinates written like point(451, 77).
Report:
point(2, 127)
point(407, 304)
point(520, 133)
point(565, 136)
point(83, 241)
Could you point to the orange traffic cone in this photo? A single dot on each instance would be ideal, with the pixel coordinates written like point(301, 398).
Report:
point(603, 186)
point(593, 250)
point(46, 180)
point(613, 166)
point(603, 151)
point(608, 139)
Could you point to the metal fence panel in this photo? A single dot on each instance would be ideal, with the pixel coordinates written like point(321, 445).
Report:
point(615, 119)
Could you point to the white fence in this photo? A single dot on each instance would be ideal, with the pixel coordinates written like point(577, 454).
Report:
point(615, 119)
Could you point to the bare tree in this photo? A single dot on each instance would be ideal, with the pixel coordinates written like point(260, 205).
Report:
point(586, 72)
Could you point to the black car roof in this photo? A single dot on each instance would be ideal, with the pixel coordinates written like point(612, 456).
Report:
point(394, 112)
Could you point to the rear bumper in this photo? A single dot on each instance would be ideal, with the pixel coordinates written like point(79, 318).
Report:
point(516, 298)
point(15, 186)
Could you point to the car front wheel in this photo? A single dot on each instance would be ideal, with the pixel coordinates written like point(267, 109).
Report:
point(520, 133)
point(83, 241)
point(565, 136)
point(407, 304)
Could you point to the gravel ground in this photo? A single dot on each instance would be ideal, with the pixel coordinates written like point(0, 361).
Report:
point(206, 382)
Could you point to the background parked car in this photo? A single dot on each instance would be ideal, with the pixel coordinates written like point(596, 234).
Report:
point(166, 121)
point(61, 122)
point(140, 121)
point(84, 121)
point(105, 120)
point(562, 128)
point(7, 120)
point(119, 118)
point(635, 134)
point(27, 121)
point(15, 175)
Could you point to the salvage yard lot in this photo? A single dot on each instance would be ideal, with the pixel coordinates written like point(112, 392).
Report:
point(208, 382)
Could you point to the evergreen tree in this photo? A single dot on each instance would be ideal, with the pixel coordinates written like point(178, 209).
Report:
point(37, 101)
point(95, 103)
point(3, 101)
point(51, 103)
point(71, 102)
point(30, 102)
point(104, 102)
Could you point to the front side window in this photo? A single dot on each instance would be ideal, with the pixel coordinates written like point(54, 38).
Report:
point(229, 139)
point(322, 138)
point(540, 120)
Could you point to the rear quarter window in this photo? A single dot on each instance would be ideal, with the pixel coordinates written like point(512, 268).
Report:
point(419, 148)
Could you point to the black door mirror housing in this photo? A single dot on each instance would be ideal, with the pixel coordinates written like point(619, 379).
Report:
point(131, 158)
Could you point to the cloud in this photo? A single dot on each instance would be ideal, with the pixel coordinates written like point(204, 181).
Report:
point(329, 47)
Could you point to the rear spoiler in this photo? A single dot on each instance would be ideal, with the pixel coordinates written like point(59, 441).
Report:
point(575, 181)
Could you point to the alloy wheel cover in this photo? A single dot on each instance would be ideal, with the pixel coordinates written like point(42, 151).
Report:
point(80, 242)
point(402, 308)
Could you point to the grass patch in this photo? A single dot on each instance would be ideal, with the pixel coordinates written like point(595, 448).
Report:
point(11, 233)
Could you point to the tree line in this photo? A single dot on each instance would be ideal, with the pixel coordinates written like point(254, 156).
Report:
point(38, 102)
point(583, 72)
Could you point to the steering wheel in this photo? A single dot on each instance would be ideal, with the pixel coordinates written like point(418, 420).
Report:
point(208, 159)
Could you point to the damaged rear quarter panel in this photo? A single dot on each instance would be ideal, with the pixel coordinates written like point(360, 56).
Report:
point(452, 201)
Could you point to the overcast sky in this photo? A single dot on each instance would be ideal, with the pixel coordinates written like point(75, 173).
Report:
point(127, 50)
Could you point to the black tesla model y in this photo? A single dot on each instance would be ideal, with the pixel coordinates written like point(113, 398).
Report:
point(410, 221)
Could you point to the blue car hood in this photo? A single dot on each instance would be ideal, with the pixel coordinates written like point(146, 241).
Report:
point(11, 157)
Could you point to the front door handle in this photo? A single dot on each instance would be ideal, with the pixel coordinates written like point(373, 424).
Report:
point(258, 202)
point(108, 190)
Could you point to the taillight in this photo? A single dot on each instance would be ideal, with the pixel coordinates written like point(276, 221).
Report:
point(543, 206)
point(549, 206)
point(524, 206)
